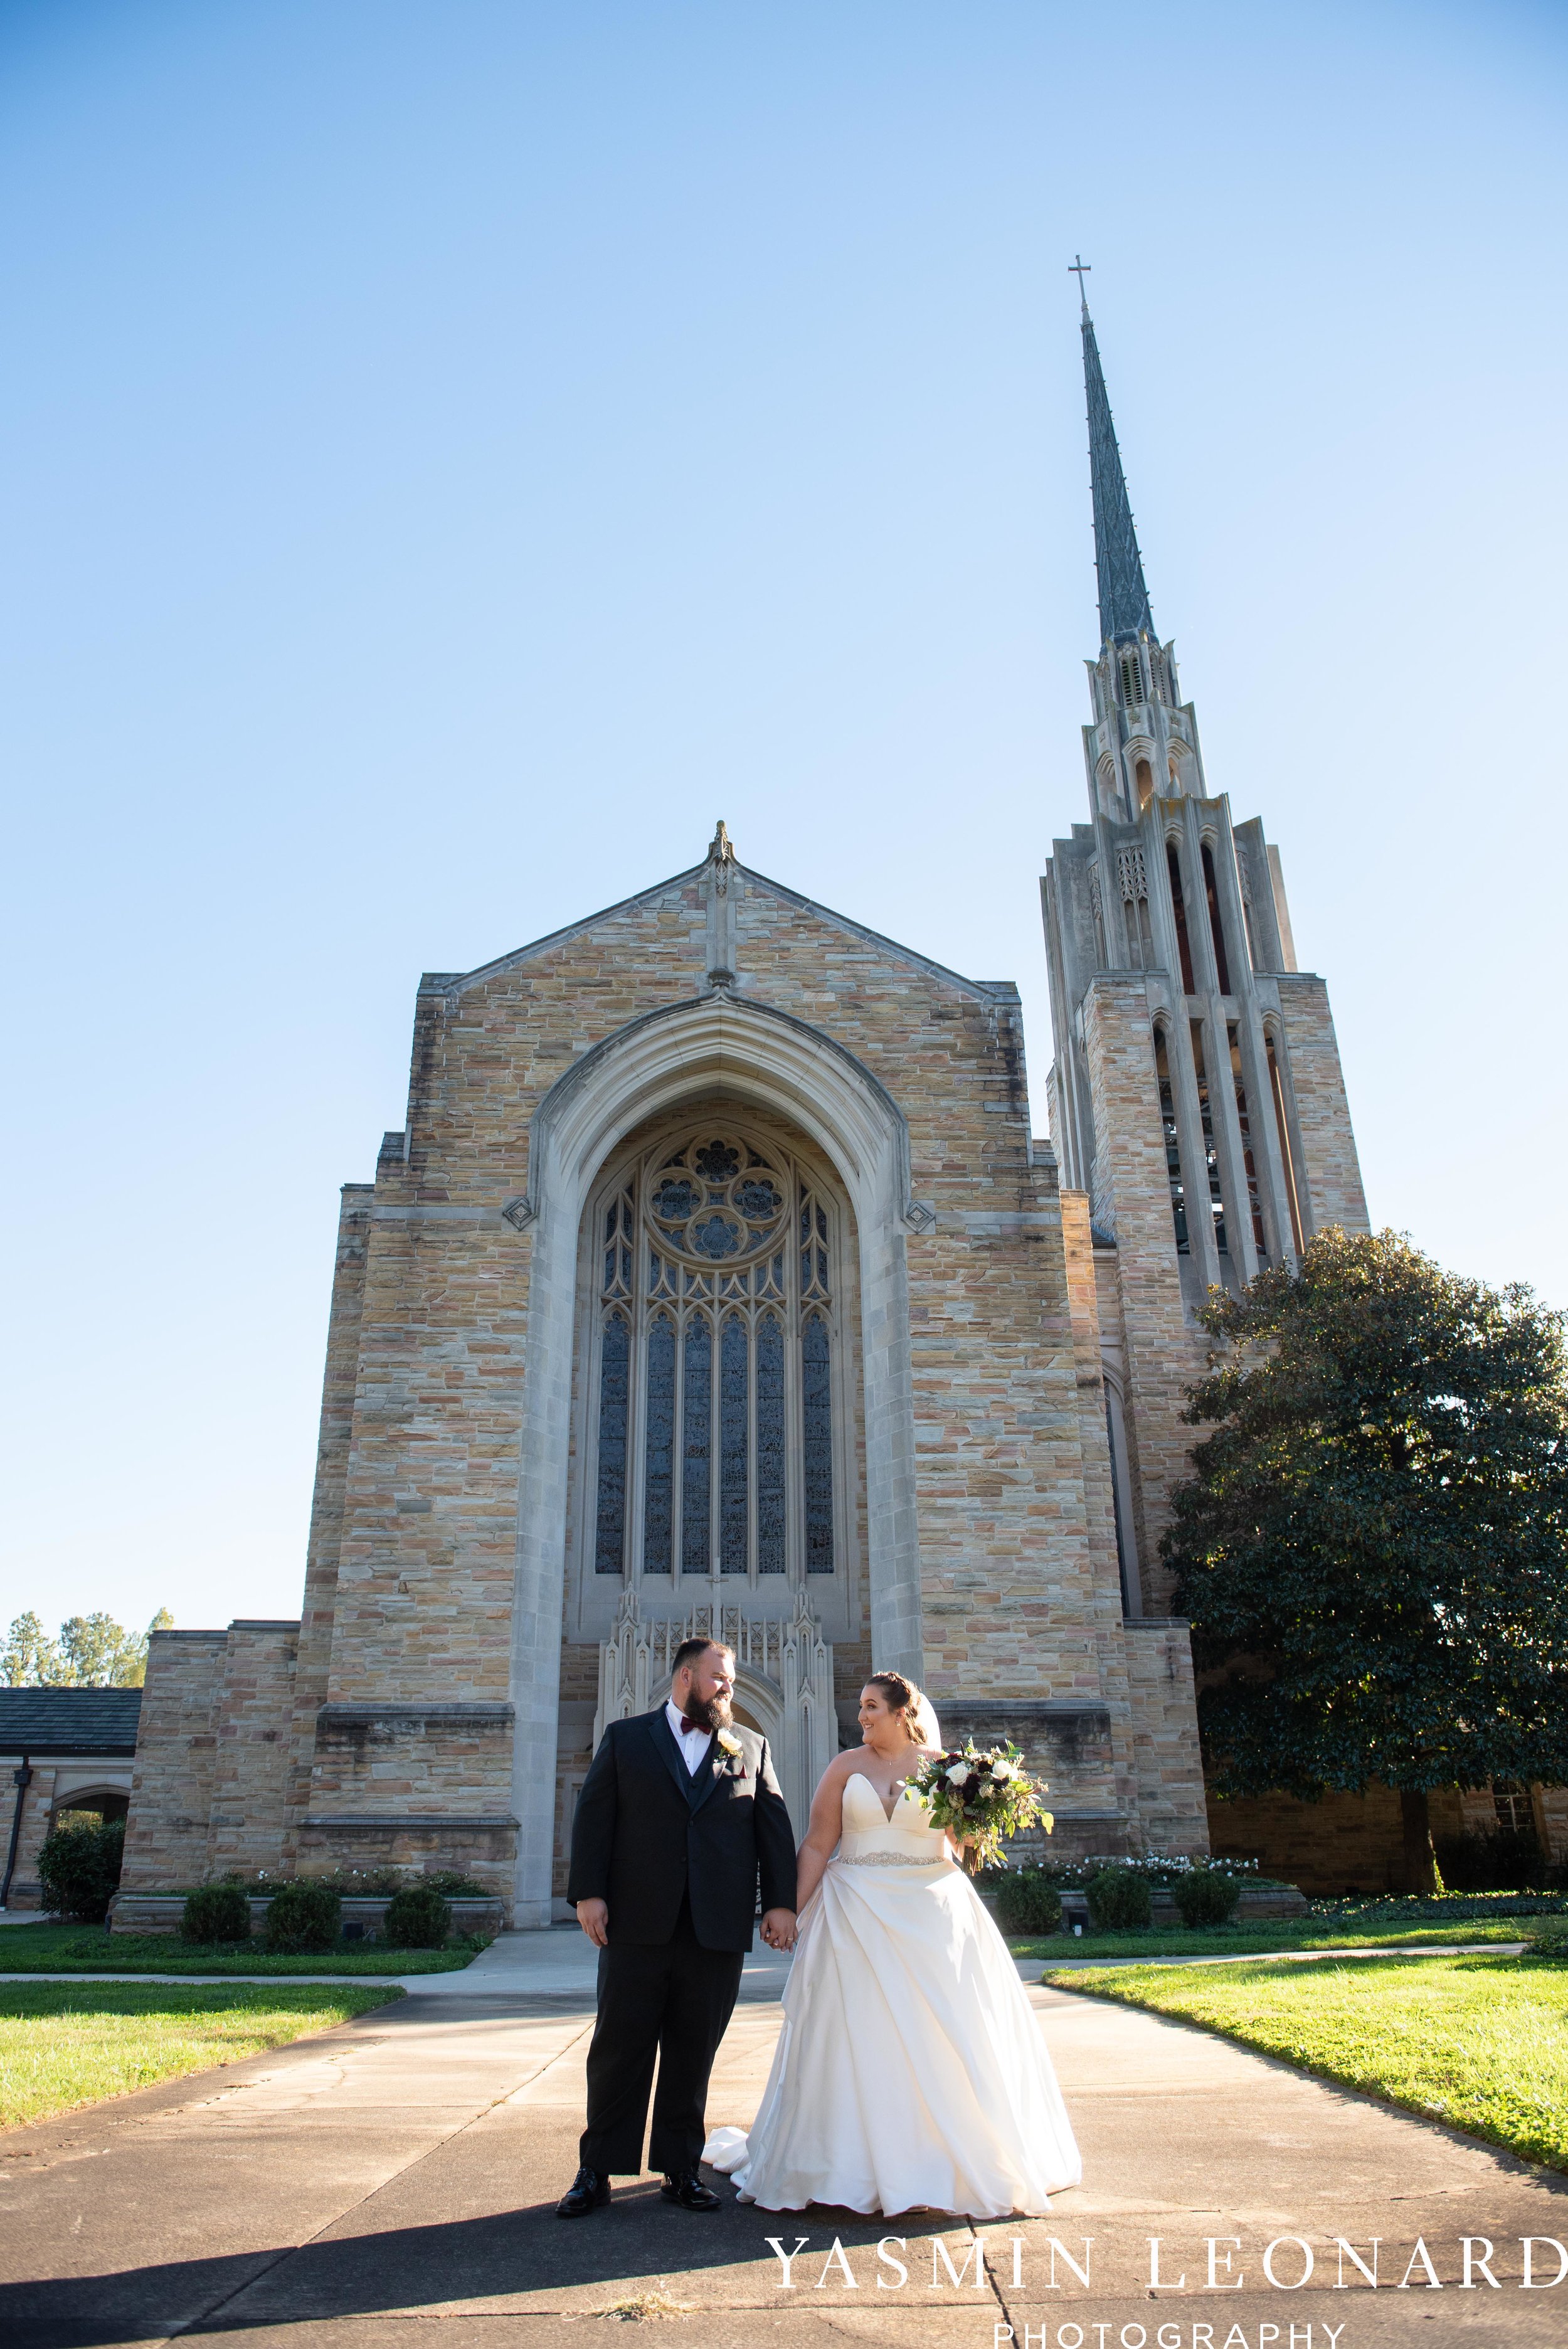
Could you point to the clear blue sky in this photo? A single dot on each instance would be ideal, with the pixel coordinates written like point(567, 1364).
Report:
point(455, 452)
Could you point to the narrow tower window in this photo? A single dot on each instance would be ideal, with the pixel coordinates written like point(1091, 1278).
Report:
point(1210, 1155)
point(1254, 1201)
point(1132, 680)
point(1172, 1141)
point(1282, 1124)
point(1179, 907)
point(1143, 776)
point(1216, 926)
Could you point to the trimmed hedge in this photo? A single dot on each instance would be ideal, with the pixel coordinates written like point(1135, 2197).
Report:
point(1027, 1901)
point(216, 1912)
point(78, 1867)
point(303, 1917)
point(1120, 1900)
point(1206, 1898)
point(417, 1918)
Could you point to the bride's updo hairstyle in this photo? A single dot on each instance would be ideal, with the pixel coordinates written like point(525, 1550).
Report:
point(904, 1697)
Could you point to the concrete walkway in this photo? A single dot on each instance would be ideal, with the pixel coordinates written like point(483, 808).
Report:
point(340, 2193)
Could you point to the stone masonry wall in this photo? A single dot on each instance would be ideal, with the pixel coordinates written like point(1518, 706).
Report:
point(1354, 1843)
point(176, 1754)
point(339, 1383)
point(1331, 1168)
point(1172, 1805)
point(251, 1761)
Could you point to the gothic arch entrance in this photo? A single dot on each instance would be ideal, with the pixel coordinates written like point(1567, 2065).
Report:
point(780, 1069)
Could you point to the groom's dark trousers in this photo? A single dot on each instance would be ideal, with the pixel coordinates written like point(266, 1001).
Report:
point(678, 1858)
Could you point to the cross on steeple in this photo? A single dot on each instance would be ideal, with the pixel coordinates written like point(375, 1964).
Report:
point(1079, 268)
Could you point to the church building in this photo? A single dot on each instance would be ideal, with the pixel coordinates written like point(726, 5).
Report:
point(717, 1277)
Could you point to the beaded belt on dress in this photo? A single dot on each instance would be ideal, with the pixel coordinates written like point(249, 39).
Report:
point(889, 1859)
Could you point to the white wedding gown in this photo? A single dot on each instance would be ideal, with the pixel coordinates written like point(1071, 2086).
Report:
point(911, 2072)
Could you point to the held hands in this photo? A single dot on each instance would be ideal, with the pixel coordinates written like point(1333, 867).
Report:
point(779, 1929)
point(593, 1916)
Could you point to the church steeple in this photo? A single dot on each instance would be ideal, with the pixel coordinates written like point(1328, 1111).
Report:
point(1123, 597)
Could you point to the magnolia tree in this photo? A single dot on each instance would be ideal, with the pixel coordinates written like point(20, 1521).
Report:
point(1373, 1546)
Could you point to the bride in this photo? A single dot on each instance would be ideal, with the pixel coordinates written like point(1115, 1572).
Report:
point(910, 2073)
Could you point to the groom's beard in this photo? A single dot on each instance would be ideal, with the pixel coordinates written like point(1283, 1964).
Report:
point(709, 1713)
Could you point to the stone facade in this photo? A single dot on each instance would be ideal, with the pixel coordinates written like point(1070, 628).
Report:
point(1005, 1328)
point(436, 1704)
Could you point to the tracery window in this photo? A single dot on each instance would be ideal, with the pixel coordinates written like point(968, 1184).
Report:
point(717, 1373)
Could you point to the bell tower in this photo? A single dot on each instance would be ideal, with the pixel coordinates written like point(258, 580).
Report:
point(1197, 1094)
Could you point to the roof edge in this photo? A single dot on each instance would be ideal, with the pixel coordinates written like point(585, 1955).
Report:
point(986, 990)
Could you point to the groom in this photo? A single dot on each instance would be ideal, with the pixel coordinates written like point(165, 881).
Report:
point(679, 1816)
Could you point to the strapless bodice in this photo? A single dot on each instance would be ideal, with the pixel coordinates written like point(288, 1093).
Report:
point(868, 1839)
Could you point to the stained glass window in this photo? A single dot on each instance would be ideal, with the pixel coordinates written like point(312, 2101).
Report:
point(659, 1482)
point(697, 1451)
point(719, 1248)
point(734, 1411)
point(614, 1398)
point(770, 1503)
point(817, 1443)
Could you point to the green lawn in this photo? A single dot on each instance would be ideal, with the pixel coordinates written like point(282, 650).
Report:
point(88, 1949)
point(1257, 1941)
point(68, 2044)
point(1481, 2042)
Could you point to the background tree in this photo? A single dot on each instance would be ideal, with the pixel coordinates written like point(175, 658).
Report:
point(91, 1651)
point(1373, 1547)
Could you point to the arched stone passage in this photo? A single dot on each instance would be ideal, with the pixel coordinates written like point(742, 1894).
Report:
point(713, 1042)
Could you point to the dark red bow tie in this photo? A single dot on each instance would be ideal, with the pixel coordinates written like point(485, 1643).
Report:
point(703, 1727)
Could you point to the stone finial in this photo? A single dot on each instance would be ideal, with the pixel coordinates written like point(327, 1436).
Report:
point(721, 848)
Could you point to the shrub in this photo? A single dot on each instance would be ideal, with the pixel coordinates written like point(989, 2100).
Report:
point(454, 1883)
point(1509, 1860)
point(1120, 1900)
point(1027, 1901)
point(417, 1918)
point(303, 1916)
point(78, 1866)
point(216, 1912)
point(1204, 1896)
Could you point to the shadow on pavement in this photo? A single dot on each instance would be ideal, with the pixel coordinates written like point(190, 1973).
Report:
point(639, 2243)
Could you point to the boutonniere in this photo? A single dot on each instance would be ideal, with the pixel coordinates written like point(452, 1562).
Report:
point(730, 1747)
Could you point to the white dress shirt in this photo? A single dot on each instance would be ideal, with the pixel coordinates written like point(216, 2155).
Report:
point(693, 1742)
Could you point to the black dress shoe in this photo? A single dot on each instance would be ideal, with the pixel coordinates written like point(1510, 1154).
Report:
point(588, 2191)
point(684, 2186)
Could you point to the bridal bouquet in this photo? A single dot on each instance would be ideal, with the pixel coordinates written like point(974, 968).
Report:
point(980, 1794)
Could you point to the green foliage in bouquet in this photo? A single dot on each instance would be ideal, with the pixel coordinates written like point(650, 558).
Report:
point(981, 1796)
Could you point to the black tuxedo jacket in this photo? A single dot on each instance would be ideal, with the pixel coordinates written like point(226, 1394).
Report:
point(646, 1830)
